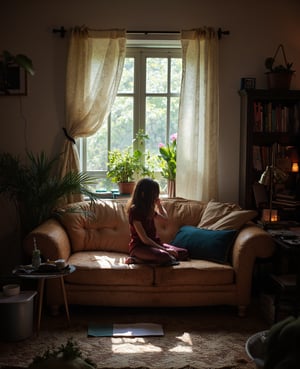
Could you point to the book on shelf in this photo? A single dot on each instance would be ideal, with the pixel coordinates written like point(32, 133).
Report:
point(286, 202)
point(257, 162)
point(271, 117)
point(286, 196)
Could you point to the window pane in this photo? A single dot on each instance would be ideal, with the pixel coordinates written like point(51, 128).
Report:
point(156, 119)
point(157, 75)
point(127, 80)
point(174, 108)
point(122, 123)
point(96, 155)
point(176, 65)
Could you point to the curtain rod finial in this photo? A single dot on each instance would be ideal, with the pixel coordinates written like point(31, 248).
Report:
point(221, 33)
point(60, 30)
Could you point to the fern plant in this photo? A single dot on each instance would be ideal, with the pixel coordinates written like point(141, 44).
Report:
point(35, 189)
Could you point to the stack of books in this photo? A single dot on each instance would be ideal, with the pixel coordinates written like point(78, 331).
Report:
point(287, 202)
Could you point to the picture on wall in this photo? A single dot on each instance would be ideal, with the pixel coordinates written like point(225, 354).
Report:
point(13, 81)
point(248, 83)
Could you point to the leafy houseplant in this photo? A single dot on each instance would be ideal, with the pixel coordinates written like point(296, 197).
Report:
point(7, 61)
point(125, 166)
point(280, 75)
point(167, 158)
point(167, 161)
point(66, 356)
point(34, 188)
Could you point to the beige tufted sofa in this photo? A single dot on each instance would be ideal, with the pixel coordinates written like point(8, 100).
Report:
point(97, 244)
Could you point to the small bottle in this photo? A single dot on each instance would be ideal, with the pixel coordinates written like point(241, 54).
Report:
point(36, 256)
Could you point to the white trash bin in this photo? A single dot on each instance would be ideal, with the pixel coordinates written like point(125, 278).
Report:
point(16, 316)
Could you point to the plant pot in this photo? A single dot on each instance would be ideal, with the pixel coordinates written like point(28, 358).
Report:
point(126, 188)
point(279, 81)
point(255, 348)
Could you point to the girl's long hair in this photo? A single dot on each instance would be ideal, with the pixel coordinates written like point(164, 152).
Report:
point(144, 195)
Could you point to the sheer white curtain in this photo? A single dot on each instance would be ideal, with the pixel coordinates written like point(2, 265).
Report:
point(197, 150)
point(94, 69)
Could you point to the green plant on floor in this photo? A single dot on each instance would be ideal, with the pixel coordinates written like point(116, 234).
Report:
point(66, 356)
point(35, 189)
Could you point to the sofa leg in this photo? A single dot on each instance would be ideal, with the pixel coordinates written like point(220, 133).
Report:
point(242, 311)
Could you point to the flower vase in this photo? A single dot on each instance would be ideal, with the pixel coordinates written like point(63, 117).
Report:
point(171, 188)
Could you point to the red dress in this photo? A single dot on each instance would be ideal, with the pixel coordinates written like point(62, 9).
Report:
point(148, 225)
point(142, 252)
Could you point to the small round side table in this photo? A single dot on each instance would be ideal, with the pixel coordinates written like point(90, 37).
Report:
point(41, 277)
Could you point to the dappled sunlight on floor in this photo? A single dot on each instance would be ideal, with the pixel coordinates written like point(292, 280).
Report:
point(139, 345)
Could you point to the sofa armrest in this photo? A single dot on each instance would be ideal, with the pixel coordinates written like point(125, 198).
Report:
point(51, 239)
point(252, 242)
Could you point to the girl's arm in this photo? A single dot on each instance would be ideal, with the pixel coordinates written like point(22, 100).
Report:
point(143, 235)
point(161, 211)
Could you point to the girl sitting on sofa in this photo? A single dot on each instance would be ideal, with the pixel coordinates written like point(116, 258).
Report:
point(145, 247)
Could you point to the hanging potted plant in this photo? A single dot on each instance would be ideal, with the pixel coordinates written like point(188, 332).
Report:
point(7, 61)
point(279, 76)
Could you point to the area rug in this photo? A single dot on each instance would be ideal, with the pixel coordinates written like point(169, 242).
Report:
point(194, 338)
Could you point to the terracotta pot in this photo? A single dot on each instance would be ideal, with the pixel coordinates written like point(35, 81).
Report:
point(279, 81)
point(126, 188)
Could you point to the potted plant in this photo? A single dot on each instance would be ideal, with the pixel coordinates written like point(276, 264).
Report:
point(280, 75)
point(167, 162)
point(125, 166)
point(66, 356)
point(35, 189)
point(7, 61)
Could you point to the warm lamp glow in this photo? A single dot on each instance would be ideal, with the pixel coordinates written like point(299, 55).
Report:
point(269, 215)
point(295, 167)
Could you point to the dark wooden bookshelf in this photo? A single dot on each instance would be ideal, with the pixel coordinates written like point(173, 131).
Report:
point(268, 117)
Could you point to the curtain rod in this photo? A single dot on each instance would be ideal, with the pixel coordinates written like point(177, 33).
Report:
point(220, 32)
point(62, 31)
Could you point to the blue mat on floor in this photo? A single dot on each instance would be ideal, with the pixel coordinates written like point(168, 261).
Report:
point(125, 330)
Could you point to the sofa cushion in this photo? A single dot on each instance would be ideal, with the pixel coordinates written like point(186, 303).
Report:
point(214, 211)
point(234, 220)
point(108, 268)
point(195, 273)
point(205, 243)
point(103, 226)
point(180, 212)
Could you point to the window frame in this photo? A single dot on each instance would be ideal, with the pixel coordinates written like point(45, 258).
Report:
point(140, 51)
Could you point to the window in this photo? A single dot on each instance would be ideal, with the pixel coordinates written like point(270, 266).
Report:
point(147, 99)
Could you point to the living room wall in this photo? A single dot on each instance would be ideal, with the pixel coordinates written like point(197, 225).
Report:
point(36, 121)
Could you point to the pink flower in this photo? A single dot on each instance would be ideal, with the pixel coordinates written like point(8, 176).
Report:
point(173, 137)
point(161, 145)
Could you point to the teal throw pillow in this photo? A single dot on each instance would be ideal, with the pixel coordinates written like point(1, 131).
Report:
point(213, 245)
